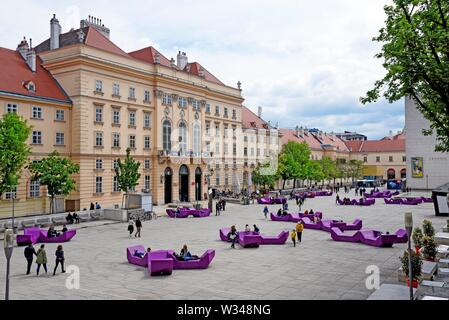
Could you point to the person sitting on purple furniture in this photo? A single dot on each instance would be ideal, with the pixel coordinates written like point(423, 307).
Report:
point(256, 229)
point(279, 213)
point(64, 229)
point(141, 254)
point(185, 253)
point(52, 233)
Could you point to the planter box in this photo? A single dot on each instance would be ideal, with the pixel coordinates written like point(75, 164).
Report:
point(429, 269)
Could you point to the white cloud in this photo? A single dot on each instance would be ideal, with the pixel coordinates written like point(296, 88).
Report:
point(294, 58)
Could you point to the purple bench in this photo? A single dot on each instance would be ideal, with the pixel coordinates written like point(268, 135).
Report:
point(354, 202)
point(286, 218)
point(401, 236)
point(265, 201)
point(280, 239)
point(327, 225)
point(377, 238)
point(323, 193)
point(142, 262)
point(160, 262)
point(427, 200)
point(356, 225)
point(249, 239)
point(348, 236)
point(202, 263)
point(309, 224)
point(29, 236)
point(36, 235)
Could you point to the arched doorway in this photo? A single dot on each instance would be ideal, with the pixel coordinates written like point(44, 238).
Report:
point(198, 178)
point(168, 174)
point(391, 174)
point(404, 173)
point(184, 183)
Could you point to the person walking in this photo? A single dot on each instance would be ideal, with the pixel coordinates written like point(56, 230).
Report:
point(59, 259)
point(130, 227)
point(299, 230)
point(41, 259)
point(233, 236)
point(337, 199)
point(29, 252)
point(293, 237)
point(265, 212)
point(223, 204)
point(138, 227)
point(217, 208)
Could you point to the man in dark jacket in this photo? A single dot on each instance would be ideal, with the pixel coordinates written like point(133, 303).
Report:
point(28, 252)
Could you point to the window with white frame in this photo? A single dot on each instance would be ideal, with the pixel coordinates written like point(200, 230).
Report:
point(147, 120)
point(11, 108)
point(98, 114)
point(196, 139)
point(132, 93)
point(115, 187)
point(217, 110)
point(116, 89)
point(35, 188)
point(207, 128)
point(98, 184)
point(225, 112)
point(234, 149)
point(132, 141)
point(217, 129)
point(207, 108)
point(60, 138)
point(225, 149)
point(98, 164)
point(36, 112)
point(60, 115)
point(182, 102)
point(196, 105)
point(217, 148)
point(115, 164)
point(146, 184)
point(115, 116)
point(12, 194)
point(98, 86)
point(98, 139)
point(116, 140)
point(147, 164)
point(226, 179)
point(217, 179)
point(37, 137)
point(146, 142)
point(234, 114)
point(147, 96)
point(132, 118)
point(167, 99)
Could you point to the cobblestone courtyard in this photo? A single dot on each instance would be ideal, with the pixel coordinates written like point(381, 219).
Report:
point(319, 268)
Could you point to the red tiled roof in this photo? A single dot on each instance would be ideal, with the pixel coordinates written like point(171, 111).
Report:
point(251, 120)
point(377, 145)
point(290, 135)
point(96, 39)
point(194, 68)
point(399, 136)
point(15, 73)
point(148, 55)
point(333, 141)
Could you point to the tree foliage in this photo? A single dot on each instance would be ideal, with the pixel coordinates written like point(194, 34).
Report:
point(14, 150)
point(294, 161)
point(56, 173)
point(260, 179)
point(415, 54)
point(127, 173)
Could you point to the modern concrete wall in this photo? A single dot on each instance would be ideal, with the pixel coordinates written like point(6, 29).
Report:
point(435, 164)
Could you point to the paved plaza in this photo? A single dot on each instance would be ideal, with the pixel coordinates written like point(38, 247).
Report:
point(319, 268)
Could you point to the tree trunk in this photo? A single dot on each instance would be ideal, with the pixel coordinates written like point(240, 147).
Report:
point(294, 183)
point(283, 184)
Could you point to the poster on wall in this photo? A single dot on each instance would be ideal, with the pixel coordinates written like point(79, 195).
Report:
point(417, 167)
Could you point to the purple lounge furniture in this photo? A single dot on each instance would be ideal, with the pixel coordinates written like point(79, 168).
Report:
point(224, 234)
point(142, 262)
point(186, 212)
point(249, 239)
point(36, 235)
point(427, 200)
point(286, 218)
point(347, 236)
point(356, 225)
point(377, 239)
point(29, 236)
point(201, 263)
point(401, 236)
point(323, 193)
point(64, 237)
point(280, 239)
point(265, 201)
point(160, 262)
point(280, 200)
point(309, 224)
point(327, 225)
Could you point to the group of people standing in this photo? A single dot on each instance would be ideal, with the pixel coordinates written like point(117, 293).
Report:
point(72, 218)
point(220, 206)
point(131, 225)
point(41, 258)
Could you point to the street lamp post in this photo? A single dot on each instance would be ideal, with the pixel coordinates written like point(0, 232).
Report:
point(8, 242)
point(408, 219)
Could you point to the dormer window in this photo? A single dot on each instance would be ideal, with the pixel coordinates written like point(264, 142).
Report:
point(30, 86)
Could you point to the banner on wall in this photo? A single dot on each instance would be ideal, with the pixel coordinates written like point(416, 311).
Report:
point(417, 167)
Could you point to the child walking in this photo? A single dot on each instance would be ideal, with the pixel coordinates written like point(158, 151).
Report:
point(293, 236)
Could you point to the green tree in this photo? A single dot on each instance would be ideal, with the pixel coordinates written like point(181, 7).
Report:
point(354, 169)
point(415, 54)
point(293, 162)
point(14, 150)
point(315, 172)
point(128, 175)
point(56, 173)
point(264, 181)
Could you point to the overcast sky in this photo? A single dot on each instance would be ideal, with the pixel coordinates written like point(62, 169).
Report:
point(305, 62)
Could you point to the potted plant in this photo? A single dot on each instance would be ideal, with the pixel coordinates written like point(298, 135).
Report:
point(416, 268)
point(428, 228)
point(417, 237)
point(429, 248)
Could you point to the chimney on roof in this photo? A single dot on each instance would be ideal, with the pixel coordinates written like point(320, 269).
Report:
point(182, 60)
point(23, 48)
point(96, 23)
point(391, 134)
point(172, 63)
point(55, 32)
point(31, 59)
point(297, 131)
point(157, 58)
point(259, 112)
